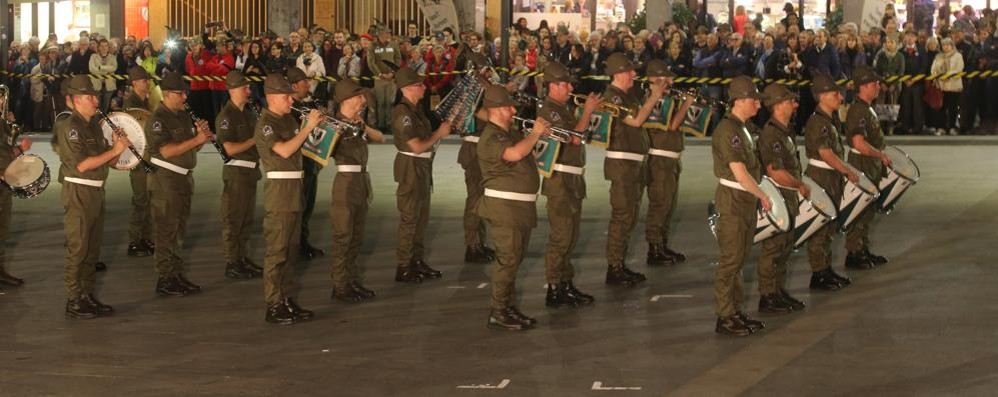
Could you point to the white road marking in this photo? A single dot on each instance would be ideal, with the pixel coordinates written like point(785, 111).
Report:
point(597, 385)
point(502, 385)
point(656, 298)
point(455, 286)
point(482, 285)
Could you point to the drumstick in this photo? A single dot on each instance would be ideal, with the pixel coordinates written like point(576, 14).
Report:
point(146, 166)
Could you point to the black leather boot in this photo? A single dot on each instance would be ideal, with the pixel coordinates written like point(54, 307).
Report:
point(359, 289)
point(308, 252)
point(618, 275)
point(425, 271)
point(733, 326)
point(239, 271)
point(137, 249)
point(347, 294)
point(169, 286)
point(297, 311)
point(504, 319)
point(252, 265)
point(100, 266)
point(876, 259)
point(557, 297)
point(476, 254)
point(754, 325)
point(280, 313)
point(795, 304)
point(823, 280)
point(677, 257)
point(405, 273)
point(858, 261)
point(102, 309)
point(574, 293)
point(80, 308)
point(774, 304)
point(657, 256)
point(845, 281)
point(150, 246)
point(191, 287)
point(522, 317)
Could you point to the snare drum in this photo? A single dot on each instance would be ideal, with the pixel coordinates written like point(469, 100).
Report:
point(133, 130)
point(775, 221)
point(856, 198)
point(814, 212)
point(27, 176)
point(902, 173)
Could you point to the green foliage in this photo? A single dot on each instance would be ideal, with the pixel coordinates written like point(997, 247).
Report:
point(834, 20)
point(639, 21)
point(681, 14)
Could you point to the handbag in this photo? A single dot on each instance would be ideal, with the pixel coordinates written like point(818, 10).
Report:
point(933, 95)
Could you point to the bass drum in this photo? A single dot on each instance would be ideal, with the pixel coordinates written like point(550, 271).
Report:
point(775, 221)
point(133, 130)
point(856, 198)
point(27, 176)
point(902, 173)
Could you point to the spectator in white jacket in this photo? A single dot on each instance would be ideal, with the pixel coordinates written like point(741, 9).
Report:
point(949, 60)
point(311, 63)
point(101, 64)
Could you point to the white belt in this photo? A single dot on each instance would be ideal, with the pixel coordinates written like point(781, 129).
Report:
point(510, 195)
point(569, 169)
point(424, 155)
point(87, 182)
point(242, 163)
point(819, 164)
point(170, 166)
point(471, 138)
point(664, 153)
point(350, 168)
point(285, 174)
point(624, 156)
point(732, 184)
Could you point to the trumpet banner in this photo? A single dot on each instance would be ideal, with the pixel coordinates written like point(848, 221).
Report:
point(320, 143)
point(600, 125)
point(661, 115)
point(546, 152)
point(696, 120)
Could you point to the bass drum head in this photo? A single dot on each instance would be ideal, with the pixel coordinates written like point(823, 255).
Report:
point(779, 215)
point(902, 164)
point(864, 183)
point(819, 199)
point(141, 115)
point(24, 171)
point(133, 129)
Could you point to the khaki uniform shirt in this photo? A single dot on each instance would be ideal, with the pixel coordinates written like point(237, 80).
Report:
point(166, 127)
point(133, 101)
point(7, 143)
point(862, 120)
point(78, 140)
point(234, 125)
point(778, 149)
point(498, 174)
point(409, 122)
point(732, 142)
point(562, 183)
point(625, 138)
point(280, 195)
point(822, 132)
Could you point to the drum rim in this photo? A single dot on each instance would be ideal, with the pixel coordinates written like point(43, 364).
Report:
point(769, 214)
point(131, 165)
point(815, 186)
point(918, 172)
point(41, 176)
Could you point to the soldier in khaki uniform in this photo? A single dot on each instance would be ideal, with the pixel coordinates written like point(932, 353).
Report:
point(86, 158)
point(474, 227)
point(310, 184)
point(10, 148)
point(235, 123)
point(172, 143)
point(351, 195)
point(823, 148)
point(416, 143)
point(736, 165)
point(511, 181)
point(781, 161)
point(866, 142)
point(625, 165)
point(140, 219)
point(664, 166)
point(278, 142)
point(383, 49)
point(565, 188)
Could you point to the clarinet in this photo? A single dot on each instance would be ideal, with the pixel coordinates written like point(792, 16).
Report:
point(146, 166)
point(214, 140)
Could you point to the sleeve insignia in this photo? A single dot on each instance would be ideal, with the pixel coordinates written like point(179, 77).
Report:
point(862, 122)
point(777, 148)
point(555, 116)
point(616, 100)
point(73, 135)
point(824, 130)
point(736, 141)
point(157, 126)
point(406, 121)
point(225, 124)
point(267, 130)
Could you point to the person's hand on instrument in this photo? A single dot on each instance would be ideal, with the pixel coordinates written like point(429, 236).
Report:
point(767, 204)
point(541, 126)
point(804, 190)
point(120, 143)
point(852, 177)
point(886, 160)
point(25, 144)
point(593, 102)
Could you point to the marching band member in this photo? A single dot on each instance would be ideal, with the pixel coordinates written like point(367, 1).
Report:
point(351, 194)
point(511, 181)
point(823, 148)
point(474, 227)
point(310, 184)
point(86, 158)
point(413, 171)
point(866, 142)
point(625, 165)
point(736, 165)
point(565, 188)
point(173, 141)
point(779, 156)
point(140, 219)
point(664, 167)
point(9, 148)
point(278, 142)
point(234, 123)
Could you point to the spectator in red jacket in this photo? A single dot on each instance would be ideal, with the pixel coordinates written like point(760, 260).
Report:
point(437, 63)
point(219, 66)
point(198, 59)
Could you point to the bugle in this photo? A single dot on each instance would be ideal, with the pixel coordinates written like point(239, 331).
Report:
point(346, 129)
point(559, 134)
point(614, 110)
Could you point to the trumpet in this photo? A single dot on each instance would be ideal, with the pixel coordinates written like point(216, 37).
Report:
point(692, 92)
point(214, 139)
point(345, 128)
point(146, 165)
point(15, 130)
point(559, 134)
point(614, 110)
